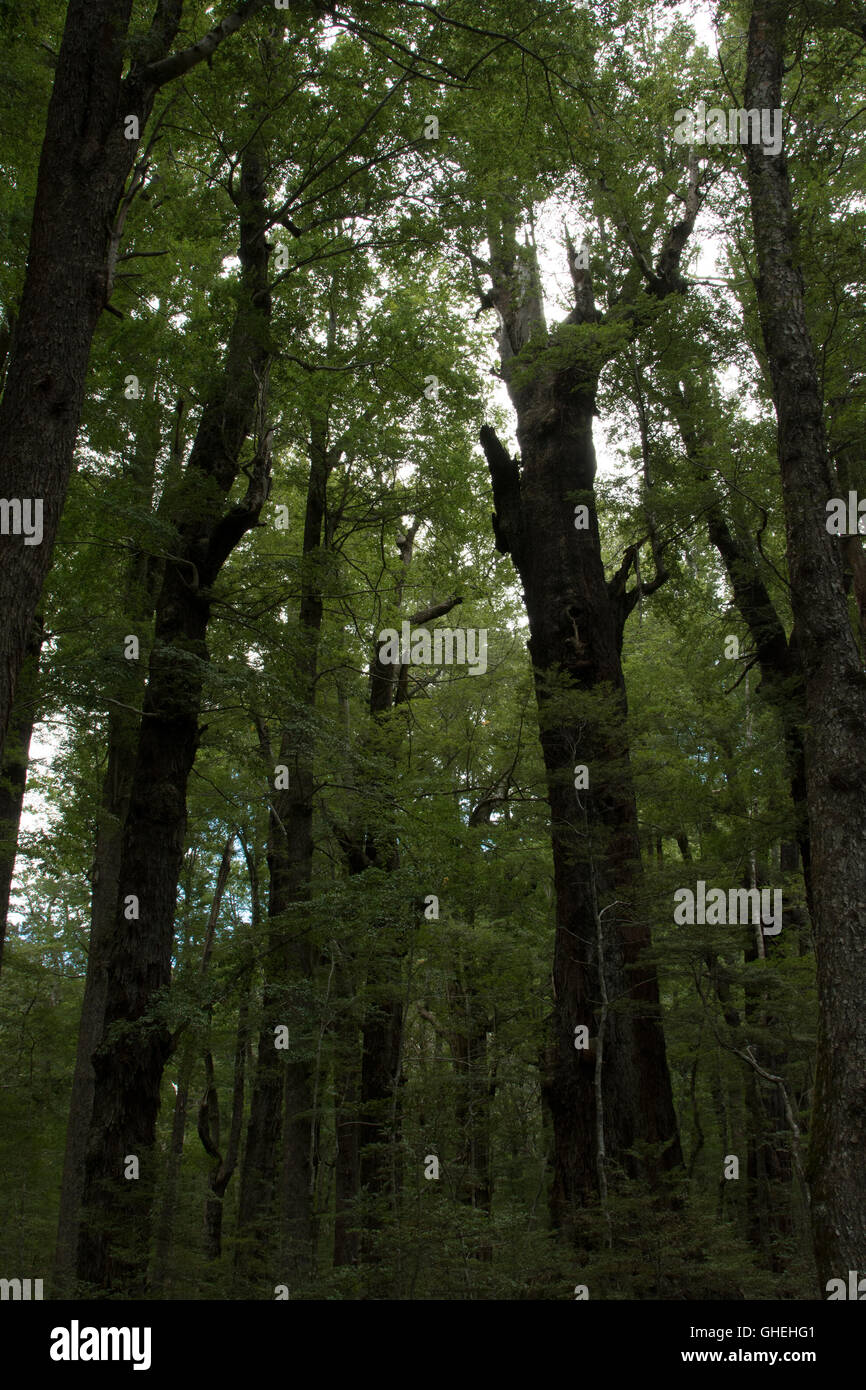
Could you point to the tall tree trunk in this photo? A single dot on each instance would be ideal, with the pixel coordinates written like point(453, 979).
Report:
point(835, 687)
point(13, 778)
point(114, 1241)
point(141, 583)
point(576, 621)
point(475, 1072)
point(380, 1059)
point(85, 161)
point(122, 733)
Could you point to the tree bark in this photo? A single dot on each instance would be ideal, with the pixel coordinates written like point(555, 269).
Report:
point(835, 687)
point(114, 1241)
point(576, 621)
point(16, 760)
point(85, 162)
point(141, 583)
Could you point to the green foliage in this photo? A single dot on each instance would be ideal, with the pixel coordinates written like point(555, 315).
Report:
point(386, 236)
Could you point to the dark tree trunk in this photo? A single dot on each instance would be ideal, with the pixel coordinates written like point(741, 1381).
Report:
point(16, 760)
point(142, 580)
point(835, 688)
point(282, 1082)
point(85, 161)
point(576, 634)
point(576, 621)
point(122, 735)
point(346, 1056)
point(84, 164)
point(114, 1241)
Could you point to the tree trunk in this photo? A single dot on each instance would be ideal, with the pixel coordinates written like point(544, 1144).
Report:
point(16, 760)
point(380, 1059)
point(114, 1241)
point(576, 622)
point(142, 577)
point(835, 688)
point(85, 161)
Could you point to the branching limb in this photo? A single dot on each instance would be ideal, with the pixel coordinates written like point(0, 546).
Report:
point(167, 69)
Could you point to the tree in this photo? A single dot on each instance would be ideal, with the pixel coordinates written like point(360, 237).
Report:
point(97, 120)
point(365, 1021)
point(835, 683)
point(129, 1062)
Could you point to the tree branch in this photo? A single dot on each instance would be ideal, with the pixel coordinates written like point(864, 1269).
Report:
point(505, 476)
point(438, 610)
point(167, 69)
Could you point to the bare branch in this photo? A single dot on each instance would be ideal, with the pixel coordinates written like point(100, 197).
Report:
point(437, 610)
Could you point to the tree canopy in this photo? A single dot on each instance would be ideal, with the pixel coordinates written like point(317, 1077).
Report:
point(432, 834)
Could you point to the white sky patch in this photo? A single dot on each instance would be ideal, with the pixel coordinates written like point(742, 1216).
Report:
point(37, 812)
point(46, 742)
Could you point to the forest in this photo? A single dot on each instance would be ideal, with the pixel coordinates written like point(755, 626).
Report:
point(432, 642)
